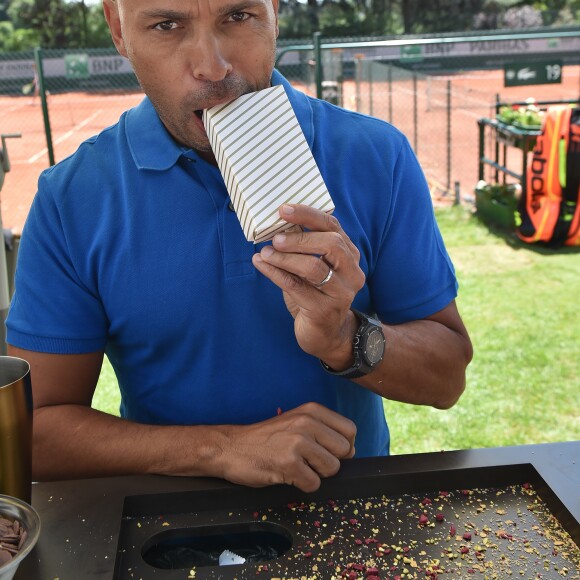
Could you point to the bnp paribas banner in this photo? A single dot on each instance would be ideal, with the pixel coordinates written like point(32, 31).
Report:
point(485, 52)
point(70, 70)
point(71, 66)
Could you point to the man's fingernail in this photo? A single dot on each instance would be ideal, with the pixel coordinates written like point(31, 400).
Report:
point(279, 239)
point(267, 251)
point(287, 209)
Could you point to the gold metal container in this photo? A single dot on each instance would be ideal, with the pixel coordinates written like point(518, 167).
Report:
point(15, 428)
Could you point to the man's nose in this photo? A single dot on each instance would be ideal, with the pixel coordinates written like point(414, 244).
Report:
point(209, 61)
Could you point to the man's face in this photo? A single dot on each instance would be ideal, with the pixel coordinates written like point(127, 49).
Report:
point(190, 55)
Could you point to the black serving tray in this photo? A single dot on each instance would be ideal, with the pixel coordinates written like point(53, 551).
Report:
point(373, 521)
point(99, 528)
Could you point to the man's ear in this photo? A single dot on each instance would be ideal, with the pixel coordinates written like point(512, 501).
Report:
point(275, 3)
point(111, 10)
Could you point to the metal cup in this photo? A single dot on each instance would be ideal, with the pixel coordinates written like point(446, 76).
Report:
point(15, 428)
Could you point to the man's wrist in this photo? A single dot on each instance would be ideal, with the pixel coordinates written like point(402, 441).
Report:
point(342, 356)
point(178, 456)
point(368, 348)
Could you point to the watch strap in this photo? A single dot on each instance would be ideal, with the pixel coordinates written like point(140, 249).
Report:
point(353, 372)
point(359, 368)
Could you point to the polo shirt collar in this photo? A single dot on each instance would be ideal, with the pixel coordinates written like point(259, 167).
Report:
point(152, 147)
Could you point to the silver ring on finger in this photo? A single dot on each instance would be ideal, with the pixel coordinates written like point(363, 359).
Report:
point(326, 278)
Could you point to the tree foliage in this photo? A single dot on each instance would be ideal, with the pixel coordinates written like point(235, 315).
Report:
point(301, 18)
point(52, 24)
point(25, 24)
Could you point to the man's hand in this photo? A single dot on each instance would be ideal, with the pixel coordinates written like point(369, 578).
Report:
point(72, 440)
point(298, 447)
point(425, 360)
point(318, 271)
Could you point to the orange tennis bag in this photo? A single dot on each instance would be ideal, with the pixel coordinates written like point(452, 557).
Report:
point(549, 211)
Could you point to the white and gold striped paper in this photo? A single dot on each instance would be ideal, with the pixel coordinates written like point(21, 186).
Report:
point(265, 160)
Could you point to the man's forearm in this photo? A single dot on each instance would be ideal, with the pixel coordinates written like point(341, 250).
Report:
point(73, 441)
point(424, 364)
point(298, 447)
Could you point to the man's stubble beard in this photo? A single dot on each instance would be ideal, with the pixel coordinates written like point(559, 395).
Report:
point(179, 119)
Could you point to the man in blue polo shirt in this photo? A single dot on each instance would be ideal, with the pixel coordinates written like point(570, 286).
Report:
point(261, 363)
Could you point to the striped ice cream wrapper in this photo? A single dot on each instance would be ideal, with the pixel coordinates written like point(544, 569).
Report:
point(265, 160)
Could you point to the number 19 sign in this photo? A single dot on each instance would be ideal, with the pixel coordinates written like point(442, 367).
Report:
point(534, 73)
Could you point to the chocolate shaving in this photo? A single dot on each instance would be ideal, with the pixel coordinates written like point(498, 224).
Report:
point(12, 538)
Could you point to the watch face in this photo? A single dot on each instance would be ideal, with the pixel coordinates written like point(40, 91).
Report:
point(375, 346)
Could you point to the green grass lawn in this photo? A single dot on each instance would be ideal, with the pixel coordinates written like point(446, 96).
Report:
point(520, 306)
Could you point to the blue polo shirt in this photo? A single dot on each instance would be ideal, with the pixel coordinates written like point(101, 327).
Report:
point(130, 247)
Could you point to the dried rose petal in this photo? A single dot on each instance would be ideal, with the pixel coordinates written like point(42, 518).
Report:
point(439, 517)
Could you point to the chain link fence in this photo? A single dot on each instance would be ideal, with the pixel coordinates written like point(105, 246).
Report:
point(55, 99)
point(434, 90)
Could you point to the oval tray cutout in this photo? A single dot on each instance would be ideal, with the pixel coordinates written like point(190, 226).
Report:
point(201, 546)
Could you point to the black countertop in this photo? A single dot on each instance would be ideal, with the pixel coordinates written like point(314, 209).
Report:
point(81, 520)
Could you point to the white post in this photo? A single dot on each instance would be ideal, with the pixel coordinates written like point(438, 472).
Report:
point(4, 288)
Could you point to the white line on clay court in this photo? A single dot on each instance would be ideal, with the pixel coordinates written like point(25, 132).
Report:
point(12, 109)
point(66, 135)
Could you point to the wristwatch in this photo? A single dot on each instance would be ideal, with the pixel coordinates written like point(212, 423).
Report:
point(368, 346)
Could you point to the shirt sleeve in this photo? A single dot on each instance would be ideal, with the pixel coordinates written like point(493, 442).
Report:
point(413, 276)
point(53, 310)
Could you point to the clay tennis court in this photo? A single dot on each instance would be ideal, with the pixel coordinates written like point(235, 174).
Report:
point(76, 116)
point(473, 96)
